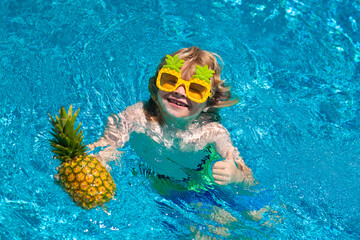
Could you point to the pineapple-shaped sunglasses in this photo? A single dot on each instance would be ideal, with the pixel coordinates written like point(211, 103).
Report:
point(198, 88)
point(83, 177)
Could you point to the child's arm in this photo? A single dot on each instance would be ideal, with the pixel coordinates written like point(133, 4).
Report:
point(231, 170)
point(114, 137)
point(117, 133)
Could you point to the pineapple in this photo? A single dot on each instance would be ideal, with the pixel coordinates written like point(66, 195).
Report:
point(83, 177)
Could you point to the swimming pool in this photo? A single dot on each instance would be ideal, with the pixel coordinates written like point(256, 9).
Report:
point(295, 65)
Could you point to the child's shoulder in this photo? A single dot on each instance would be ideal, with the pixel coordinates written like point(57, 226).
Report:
point(213, 125)
point(215, 128)
point(134, 109)
point(133, 112)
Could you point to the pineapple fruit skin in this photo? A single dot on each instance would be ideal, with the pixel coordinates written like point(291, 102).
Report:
point(87, 181)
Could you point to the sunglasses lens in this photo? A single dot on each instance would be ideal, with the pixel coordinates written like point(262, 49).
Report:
point(168, 81)
point(197, 91)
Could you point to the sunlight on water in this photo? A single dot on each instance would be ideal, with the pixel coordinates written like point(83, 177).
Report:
point(294, 64)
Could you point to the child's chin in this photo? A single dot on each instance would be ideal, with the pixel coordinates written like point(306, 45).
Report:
point(179, 114)
point(176, 111)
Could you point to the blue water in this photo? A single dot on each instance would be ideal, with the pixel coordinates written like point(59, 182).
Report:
point(294, 64)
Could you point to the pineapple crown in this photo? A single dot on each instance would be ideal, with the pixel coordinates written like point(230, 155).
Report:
point(67, 142)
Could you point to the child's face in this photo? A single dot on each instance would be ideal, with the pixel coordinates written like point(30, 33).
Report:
point(177, 104)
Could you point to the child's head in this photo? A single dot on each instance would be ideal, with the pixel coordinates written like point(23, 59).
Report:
point(177, 103)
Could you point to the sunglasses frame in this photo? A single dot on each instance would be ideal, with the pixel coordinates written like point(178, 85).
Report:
point(181, 81)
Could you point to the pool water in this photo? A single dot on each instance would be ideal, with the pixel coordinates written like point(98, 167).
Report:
point(294, 64)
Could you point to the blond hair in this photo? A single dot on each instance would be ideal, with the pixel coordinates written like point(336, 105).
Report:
point(221, 95)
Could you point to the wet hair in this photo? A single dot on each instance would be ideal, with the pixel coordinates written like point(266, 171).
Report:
point(221, 95)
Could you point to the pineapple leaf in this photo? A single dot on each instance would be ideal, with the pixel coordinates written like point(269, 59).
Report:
point(57, 118)
point(63, 117)
point(69, 127)
point(62, 148)
point(58, 153)
point(77, 129)
point(78, 136)
point(173, 63)
point(67, 141)
point(56, 139)
point(203, 73)
point(76, 114)
point(55, 133)
point(58, 128)
point(70, 111)
point(52, 121)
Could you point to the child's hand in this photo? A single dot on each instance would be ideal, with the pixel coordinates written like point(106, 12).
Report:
point(91, 147)
point(226, 171)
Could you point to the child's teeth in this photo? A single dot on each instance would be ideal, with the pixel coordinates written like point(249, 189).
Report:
point(177, 103)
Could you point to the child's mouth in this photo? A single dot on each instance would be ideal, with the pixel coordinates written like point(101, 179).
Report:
point(177, 103)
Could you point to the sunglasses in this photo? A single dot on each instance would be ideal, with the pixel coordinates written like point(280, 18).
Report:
point(198, 88)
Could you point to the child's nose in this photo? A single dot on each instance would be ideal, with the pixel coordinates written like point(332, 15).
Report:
point(181, 90)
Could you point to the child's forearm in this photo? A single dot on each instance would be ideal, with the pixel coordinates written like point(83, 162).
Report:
point(245, 175)
point(247, 179)
point(102, 142)
point(107, 154)
point(116, 133)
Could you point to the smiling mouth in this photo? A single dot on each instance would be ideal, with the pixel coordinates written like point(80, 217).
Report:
point(178, 103)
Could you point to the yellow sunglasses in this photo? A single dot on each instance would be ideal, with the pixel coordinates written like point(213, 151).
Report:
point(198, 88)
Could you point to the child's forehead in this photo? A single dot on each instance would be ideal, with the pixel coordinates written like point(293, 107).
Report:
point(188, 70)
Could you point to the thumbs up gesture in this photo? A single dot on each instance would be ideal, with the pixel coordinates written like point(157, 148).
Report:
point(226, 171)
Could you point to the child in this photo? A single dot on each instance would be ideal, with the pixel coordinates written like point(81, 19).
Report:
point(171, 129)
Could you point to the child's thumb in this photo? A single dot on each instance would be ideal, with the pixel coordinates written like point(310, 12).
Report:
point(229, 155)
